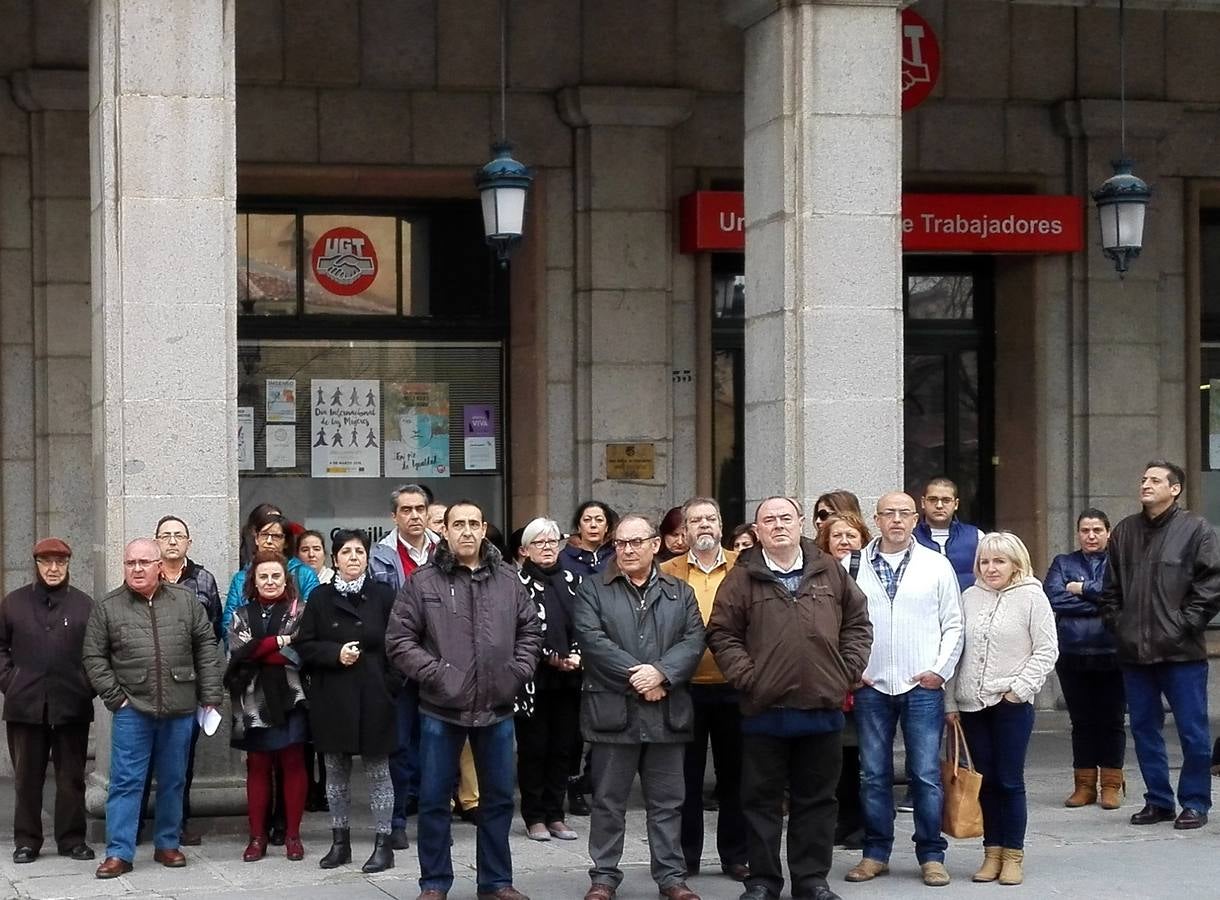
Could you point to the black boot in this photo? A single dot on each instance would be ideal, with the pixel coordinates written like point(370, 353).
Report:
point(383, 856)
point(399, 839)
point(340, 851)
point(577, 804)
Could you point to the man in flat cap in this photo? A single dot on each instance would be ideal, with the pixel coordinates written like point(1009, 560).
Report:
point(48, 703)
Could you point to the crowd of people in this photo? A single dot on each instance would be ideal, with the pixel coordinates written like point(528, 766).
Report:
point(461, 667)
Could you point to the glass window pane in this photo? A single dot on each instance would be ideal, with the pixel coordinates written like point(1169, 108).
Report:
point(940, 297)
point(416, 258)
point(924, 421)
point(728, 411)
point(1209, 282)
point(966, 472)
point(351, 265)
point(729, 297)
point(266, 264)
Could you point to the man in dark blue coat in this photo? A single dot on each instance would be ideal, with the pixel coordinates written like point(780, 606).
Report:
point(941, 530)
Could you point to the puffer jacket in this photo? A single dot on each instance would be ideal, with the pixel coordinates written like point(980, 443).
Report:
point(779, 649)
point(160, 655)
point(620, 626)
point(203, 583)
point(1162, 586)
point(1078, 616)
point(586, 563)
point(470, 638)
point(960, 549)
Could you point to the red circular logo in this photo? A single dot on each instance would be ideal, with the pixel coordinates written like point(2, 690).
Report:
point(344, 261)
point(920, 58)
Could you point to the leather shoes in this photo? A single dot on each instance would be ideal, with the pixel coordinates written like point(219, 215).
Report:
point(431, 894)
point(79, 852)
point(171, 858)
point(736, 871)
point(113, 867)
point(758, 892)
point(599, 891)
point(399, 839)
point(1190, 818)
point(25, 855)
point(679, 891)
point(1151, 814)
point(819, 892)
point(508, 892)
point(255, 850)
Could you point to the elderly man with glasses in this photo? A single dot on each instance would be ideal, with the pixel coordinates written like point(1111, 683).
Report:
point(916, 610)
point(641, 639)
point(150, 653)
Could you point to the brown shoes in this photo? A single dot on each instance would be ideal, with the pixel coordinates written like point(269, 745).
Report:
point(679, 891)
point(1085, 792)
point(432, 894)
point(504, 893)
point(171, 859)
point(599, 891)
point(1113, 788)
point(113, 867)
point(866, 870)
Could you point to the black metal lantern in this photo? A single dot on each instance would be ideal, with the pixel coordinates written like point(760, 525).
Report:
point(1120, 212)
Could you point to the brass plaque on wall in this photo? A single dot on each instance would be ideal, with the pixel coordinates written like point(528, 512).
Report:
point(630, 461)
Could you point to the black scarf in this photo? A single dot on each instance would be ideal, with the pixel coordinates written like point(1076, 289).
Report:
point(278, 698)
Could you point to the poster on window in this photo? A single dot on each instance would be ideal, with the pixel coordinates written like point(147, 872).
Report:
point(245, 438)
point(281, 441)
point(417, 430)
point(1213, 424)
point(345, 427)
point(282, 400)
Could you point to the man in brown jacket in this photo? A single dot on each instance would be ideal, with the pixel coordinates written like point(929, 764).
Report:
point(48, 703)
point(717, 717)
point(790, 632)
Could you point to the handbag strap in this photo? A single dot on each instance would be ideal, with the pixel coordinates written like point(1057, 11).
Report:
point(959, 744)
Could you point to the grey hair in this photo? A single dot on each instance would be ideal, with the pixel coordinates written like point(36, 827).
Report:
point(539, 527)
point(637, 517)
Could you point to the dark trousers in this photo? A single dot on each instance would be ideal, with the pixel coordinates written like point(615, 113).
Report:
point(718, 722)
point(614, 767)
point(1184, 686)
point(1097, 703)
point(809, 768)
point(31, 747)
point(998, 737)
point(545, 741)
point(404, 761)
point(851, 816)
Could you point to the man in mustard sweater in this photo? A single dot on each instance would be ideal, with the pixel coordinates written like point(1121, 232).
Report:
point(717, 716)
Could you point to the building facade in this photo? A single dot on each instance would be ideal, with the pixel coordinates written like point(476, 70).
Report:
point(241, 259)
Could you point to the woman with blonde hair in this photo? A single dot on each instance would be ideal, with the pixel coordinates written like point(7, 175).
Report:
point(1010, 649)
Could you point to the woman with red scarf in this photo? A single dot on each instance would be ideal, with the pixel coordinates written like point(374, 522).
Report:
point(269, 717)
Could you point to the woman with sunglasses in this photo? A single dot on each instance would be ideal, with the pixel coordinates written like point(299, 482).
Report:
point(837, 501)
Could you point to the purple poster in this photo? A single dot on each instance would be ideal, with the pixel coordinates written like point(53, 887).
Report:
point(478, 421)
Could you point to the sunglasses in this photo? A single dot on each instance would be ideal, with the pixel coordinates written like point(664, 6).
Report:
point(822, 515)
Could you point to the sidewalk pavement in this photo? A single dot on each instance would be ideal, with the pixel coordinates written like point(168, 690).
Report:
point(1082, 854)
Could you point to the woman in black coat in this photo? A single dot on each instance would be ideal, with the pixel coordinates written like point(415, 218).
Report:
point(352, 692)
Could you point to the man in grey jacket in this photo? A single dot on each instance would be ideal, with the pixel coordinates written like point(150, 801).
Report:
point(641, 638)
point(464, 628)
point(151, 655)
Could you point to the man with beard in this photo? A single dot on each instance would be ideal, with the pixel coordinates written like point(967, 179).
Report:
point(48, 703)
point(717, 717)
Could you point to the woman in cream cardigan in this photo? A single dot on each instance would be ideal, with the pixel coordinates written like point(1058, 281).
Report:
point(1010, 649)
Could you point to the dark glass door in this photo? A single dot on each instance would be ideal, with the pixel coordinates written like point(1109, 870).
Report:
point(949, 379)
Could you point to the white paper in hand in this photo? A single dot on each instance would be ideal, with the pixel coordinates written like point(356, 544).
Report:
point(208, 718)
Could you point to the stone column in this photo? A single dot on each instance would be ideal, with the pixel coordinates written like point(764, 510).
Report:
point(823, 169)
point(624, 282)
point(163, 189)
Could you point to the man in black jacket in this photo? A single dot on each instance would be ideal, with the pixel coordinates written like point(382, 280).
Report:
point(1162, 588)
point(48, 703)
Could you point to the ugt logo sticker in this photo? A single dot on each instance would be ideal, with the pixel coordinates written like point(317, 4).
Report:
point(344, 261)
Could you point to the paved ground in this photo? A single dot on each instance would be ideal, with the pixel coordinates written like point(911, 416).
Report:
point(1087, 853)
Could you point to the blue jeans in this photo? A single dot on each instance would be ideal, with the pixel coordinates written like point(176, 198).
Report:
point(922, 714)
point(404, 762)
point(136, 739)
point(1185, 687)
point(440, 748)
point(998, 738)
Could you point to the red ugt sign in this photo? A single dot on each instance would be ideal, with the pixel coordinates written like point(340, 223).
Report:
point(920, 59)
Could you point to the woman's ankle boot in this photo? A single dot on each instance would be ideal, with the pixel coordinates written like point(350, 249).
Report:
point(383, 855)
point(340, 851)
point(990, 870)
point(1113, 787)
point(1086, 789)
point(1011, 868)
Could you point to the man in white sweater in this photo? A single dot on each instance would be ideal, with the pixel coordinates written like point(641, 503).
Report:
point(915, 606)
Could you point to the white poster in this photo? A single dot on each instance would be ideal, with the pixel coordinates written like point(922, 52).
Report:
point(417, 430)
point(282, 400)
point(245, 438)
point(480, 453)
point(345, 427)
point(281, 446)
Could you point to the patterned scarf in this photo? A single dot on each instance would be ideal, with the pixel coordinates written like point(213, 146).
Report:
point(349, 587)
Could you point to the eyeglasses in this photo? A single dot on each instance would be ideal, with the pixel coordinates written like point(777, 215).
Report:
point(895, 513)
point(172, 537)
point(633, 543)
point(822, 515)
point(49, 561)
point(939, 501)
point(266, 536)
point(545, 543)
point(140, 563)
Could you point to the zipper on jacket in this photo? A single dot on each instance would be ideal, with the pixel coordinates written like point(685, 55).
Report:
point(156, 654)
